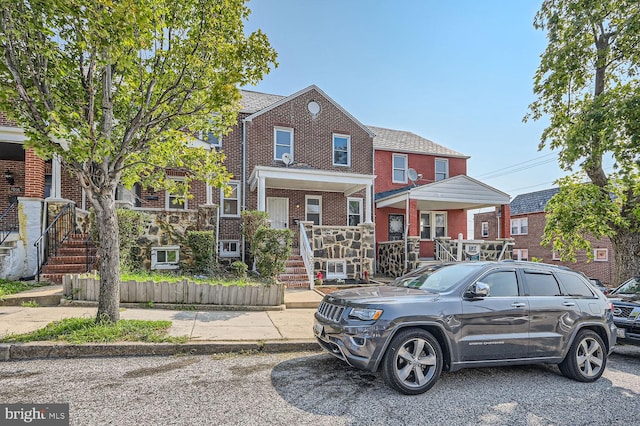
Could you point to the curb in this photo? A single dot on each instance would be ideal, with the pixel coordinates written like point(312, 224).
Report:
point(51, 350)
point(179, 307)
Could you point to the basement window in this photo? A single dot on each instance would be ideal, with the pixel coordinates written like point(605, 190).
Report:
point(166, 257)
point(336, 269)
point(229, 248)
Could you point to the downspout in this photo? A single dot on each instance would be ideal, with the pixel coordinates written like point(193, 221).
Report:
point(244, 177)
point(374, 266)
point(406, 235)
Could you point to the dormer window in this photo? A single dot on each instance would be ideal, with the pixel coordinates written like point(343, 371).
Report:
point(283, 142)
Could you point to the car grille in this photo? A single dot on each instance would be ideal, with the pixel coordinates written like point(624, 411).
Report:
point(625, 311)
point(331, 312)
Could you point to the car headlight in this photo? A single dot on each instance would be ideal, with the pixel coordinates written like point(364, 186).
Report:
point(365, 314)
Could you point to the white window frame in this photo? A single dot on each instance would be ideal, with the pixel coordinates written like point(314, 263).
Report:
point(168, 197)
point(484, 229)
point(518, 224)
point(393, 167)
point(229, 253)
point(277, 129)
point(204, 137)
point(435, 168)
point(521, 251)
point(155, 265)
point(223, 199)
point(333, 150)
point(360, 202)
point(432, 222)
point(334, 274)
point(601, 259)
point(555, 256)
point(306, 206)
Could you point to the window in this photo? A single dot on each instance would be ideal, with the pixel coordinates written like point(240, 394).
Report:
point(601, 255)
point(433, 225)
point(48, 183)
point(442, 169)
point(165, 257)
point(175, 201)
point(555, 255)
point(521, 254)
point(211, 138)
point(485, 229)
point(231, 203)
point(341, 150)
point(574, 285)
point(540, 284)
point(400, 168)
point(501, 283)
point(313, 209)
point(283, 142)
point(229, 248)
point(396, 227)
point(336, 269)
point(354, 211)
point(520, 226)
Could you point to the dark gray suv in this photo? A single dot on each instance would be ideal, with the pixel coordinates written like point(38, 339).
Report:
point(472, 314)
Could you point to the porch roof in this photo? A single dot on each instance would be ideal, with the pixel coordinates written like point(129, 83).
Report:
point(458, 192)
point(309, 179)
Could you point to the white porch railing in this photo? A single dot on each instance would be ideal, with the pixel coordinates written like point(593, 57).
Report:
point(307, 255)
point(442, 254)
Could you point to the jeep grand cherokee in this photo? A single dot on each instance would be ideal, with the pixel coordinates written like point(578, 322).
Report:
point(471, 314)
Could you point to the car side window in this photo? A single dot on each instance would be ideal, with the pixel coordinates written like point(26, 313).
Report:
point(501, 283)
point(574, 285)
point(541, 284)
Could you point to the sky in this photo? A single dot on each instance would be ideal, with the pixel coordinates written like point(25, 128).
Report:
point(458, 73)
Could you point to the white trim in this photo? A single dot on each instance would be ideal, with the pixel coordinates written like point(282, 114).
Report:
point(435, 168)
point(168, 196)
point(484, 233)
point(603, 250)
point(517, 254)
point(289, 130)
point(519, 221)
point(333, 149)
point(286, 218)
point(393, 167)
point(237, 199)
point(337, 275)
point(227, 253)
point(12, 134)
point(306, 207)
point(555, 255)
point(166, 264)
point(360, 202)
point(432, 224)
point(202, 138)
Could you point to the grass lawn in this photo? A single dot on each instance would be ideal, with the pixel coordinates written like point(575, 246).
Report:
point(8, 287)
point(87, 330)
point(172, 278)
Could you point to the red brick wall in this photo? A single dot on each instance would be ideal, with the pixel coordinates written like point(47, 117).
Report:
point(17, 168)
point(489, 217)
point(423, 164)
point(34, 175)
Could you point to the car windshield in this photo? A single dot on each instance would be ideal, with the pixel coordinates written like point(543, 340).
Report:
point(630, 287)
point(440, 280)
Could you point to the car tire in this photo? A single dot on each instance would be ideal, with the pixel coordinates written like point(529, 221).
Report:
point(413, 361)
point(586, 359)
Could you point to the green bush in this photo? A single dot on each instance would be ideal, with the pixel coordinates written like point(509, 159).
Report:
point(251, 221)
point(130, 229)
point(202, 244)
point(239, 269)
point(271, 249)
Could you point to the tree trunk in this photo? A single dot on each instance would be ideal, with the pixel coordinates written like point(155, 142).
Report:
point(626, 246)
point(109, 255)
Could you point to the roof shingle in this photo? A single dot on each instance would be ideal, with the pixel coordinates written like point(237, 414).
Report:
point(400, 140)
point(533, 202)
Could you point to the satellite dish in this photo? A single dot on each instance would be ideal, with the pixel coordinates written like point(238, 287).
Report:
point(412, 175)
point(287, 159)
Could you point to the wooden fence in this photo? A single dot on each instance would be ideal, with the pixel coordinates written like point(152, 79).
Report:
point(82, 287)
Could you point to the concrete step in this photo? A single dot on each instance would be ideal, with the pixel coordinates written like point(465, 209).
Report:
point(55, 278)
point(296, 284)
point(43, 296)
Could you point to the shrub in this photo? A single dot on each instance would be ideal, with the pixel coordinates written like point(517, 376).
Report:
point(239, 269)
point(130, 229)
point(202, 244)
point(251, 221)
point(271, 249)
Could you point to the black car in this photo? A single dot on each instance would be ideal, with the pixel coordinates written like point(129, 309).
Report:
point(470, 314)
point(598, 284)
point(626, 310)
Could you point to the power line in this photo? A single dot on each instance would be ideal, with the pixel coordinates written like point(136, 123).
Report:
point(497, 171)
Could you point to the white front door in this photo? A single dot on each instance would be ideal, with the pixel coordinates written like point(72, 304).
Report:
point(278, 209)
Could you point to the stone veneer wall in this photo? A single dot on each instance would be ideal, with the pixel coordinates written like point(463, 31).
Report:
point(354, 244)
point(489, 250)
point(391, 256)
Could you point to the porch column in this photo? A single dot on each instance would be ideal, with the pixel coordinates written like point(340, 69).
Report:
point(262, 204)
point(367, 204)
point(209, 195)
point(56, 177)
point(34, 175)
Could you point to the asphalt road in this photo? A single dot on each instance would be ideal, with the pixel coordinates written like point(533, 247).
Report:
point(315, 389)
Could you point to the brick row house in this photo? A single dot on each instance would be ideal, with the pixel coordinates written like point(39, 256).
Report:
point(346, 190)
point(527, 223)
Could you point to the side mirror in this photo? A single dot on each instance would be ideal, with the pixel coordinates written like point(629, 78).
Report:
point(479, 289)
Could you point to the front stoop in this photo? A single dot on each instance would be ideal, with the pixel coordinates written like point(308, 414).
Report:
point(70, 259)
point(295, 273)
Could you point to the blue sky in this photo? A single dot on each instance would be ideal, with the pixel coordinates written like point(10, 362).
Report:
point(458, 73)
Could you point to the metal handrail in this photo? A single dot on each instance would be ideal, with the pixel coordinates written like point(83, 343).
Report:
point(441, 253)
point(307, 255)
point(54, 235)
point(8, 221)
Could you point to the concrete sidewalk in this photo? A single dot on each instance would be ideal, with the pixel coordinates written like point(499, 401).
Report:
point(208, 331)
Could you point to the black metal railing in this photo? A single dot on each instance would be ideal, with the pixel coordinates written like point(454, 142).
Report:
point(90, 254)
point(54, 235)
point(9, 221)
